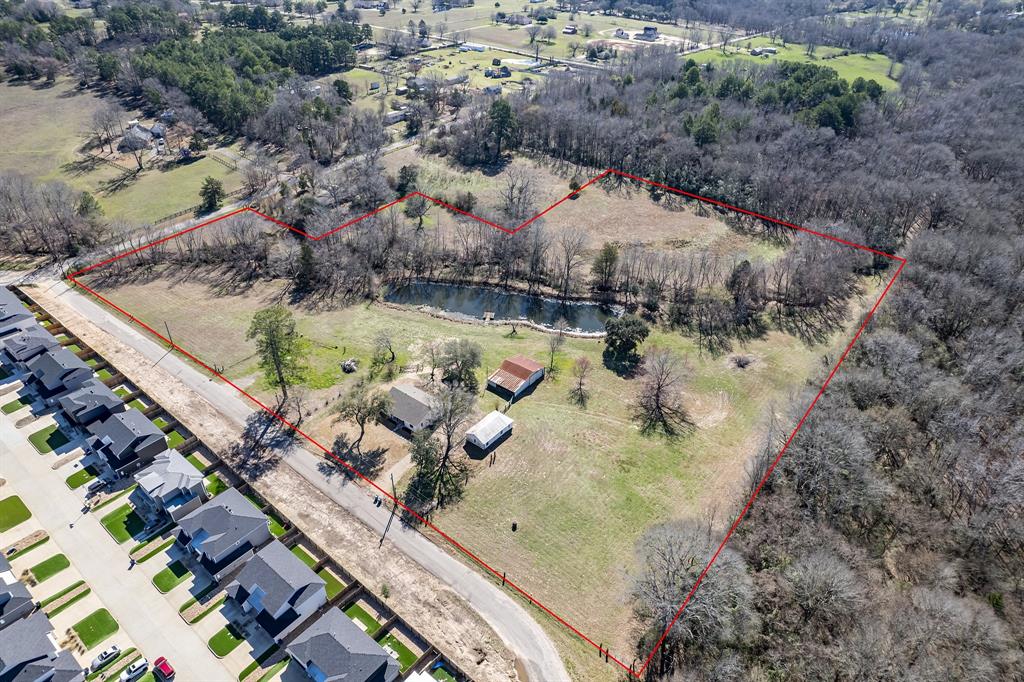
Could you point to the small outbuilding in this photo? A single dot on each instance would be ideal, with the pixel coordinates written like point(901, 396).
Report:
point(516, 375)
point(489, 430)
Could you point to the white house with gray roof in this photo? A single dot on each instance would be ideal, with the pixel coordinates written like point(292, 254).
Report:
point(57, 371)
point(278, 590)
point(223, 533)
point(334, 649)
point(29, 653)
point(412, 408)
point(90, 402)
point(170, 487)
point(126, 441)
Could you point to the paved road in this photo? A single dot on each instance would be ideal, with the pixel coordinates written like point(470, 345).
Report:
point(146, 617)
point(520, 632)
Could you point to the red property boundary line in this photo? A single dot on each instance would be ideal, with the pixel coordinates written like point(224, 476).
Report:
point(636, 672)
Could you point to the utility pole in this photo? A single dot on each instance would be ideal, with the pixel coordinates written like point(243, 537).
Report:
point(394, 507)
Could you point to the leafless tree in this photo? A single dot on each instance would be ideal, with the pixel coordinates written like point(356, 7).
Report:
point(579, 393)
point(571, 246)
point(659, 403)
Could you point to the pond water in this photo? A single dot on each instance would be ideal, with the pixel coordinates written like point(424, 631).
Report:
point(473, 301)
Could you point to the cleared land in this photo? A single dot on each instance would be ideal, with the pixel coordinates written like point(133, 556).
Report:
point(848, 65)
point(47, 148)
point(582, 485)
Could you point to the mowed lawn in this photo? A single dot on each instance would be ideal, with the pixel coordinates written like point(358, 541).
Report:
point(850, 66)
point(582, 485)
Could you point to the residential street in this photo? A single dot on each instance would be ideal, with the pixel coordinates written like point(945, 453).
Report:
point(143, 614)
point(516, 627)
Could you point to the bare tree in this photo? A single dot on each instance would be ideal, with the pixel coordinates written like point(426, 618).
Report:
point(659, 403)
point(580, 371)
point(555, 342)
point(571, 245)
point(533, 30)
point(518, 195)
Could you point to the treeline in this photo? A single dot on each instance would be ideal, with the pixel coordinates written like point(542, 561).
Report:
point(230, 75)
point(889, 542)
point(47, 219)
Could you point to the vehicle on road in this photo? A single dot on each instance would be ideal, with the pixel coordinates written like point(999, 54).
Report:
point(134, 671)
point(162, 669)
point(105, 657)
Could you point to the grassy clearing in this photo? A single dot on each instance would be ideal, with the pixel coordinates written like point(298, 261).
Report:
point(49, 439)
point(13, 512)
point(225, 641)
point(48, 568)
point(170, 577)
point(849, 66)
point(95, 628)
point(123, 524)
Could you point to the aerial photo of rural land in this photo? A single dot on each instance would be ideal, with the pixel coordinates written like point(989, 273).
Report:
point(490, 341)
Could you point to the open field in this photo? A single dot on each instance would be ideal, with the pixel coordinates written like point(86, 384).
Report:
point(46, 148)
point(581, 484)
point(849, 66)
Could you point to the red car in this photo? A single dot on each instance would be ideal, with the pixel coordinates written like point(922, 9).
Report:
point(162, 668)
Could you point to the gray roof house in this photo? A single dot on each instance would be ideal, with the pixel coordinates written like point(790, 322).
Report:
point(170, 485)
point(126, 440)
point(15, 600)
point(14, 316)
point(29, 653)
point(334, 649)
point(278, 589)
point(22, 346)
point(57, 371)
point(224, 532)
point(90, 402)
point(135, 138)
point(413, 408)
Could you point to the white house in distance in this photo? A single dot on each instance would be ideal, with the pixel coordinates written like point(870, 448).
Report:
point(516, 375)
point(489, 430)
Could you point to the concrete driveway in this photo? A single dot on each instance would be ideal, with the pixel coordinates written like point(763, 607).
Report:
point(146, 618)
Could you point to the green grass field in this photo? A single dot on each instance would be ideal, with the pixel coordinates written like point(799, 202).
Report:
point(225, 641)
point(215, 485)
point(306, 557)
point(49, 439)
point(95, 628)
point(849, 66)
point(123, 523)
point(48, 568)
point(405, 656)
point(12, 513)
point(174, 439)
point(359, 614)
point(170, 577)
point(334, 585)
point(80, 478)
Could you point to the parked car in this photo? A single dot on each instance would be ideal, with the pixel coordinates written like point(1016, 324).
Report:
point(134, 671)
point(162, 669)
point(105, 657)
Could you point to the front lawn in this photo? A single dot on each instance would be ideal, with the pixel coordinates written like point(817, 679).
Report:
point(48, 568)
point(172, 576)
point(225, 641)
point(49, 439)
point(17, 404)
point(12, 512)
point(81, 477)
point(96, 627)
point(123, 523)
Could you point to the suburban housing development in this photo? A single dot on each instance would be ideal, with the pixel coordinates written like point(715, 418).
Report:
point(563, 341)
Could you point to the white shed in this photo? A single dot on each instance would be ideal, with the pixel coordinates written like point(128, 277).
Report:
point(489, 430)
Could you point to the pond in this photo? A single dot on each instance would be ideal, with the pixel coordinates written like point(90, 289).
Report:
point(473, 301)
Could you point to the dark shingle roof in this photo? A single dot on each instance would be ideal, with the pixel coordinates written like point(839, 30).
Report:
point(342, 651)
point(90, 395)
point(13, 314)
point(13, 593)
point(225, 519)
point(28, 343)
point(53, 367)
point(27, 653)
point(125, 430)
point(282, 576)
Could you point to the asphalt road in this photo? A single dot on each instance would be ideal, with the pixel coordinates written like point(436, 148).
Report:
point(517, 628)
